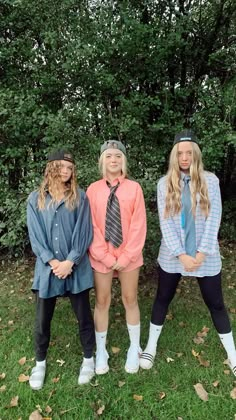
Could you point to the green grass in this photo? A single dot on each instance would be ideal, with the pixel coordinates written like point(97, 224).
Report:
point(176, 379)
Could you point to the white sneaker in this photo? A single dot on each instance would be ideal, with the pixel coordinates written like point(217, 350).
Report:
point(86, 372)
point(37, 376)
point(101, 362)
point(132, 361)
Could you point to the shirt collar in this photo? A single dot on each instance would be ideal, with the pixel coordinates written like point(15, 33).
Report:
point(119, 179)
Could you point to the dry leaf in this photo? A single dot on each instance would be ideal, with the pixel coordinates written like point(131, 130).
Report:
point(35, 415)
point(201, 392)
point(3, 388)
point(169, 359)
point(115, 350)
point(48, 409)
point(226, 362)
point(22, 361)
point(194, 353)
point(14, 401)
point(227, 372)
point(162, 395)
point(55, 380)
point(182, 324)
point(232, 310)
point(179, 354)
point(198, 340)
point(169, 316)
point(138, 397)
point(61, 362)
point(23, 378)
point(203, 362)
point(100, 410)
point(120, 384)
point(10, 322)
point(216, 384)
point(233, 394)
point(2, 375)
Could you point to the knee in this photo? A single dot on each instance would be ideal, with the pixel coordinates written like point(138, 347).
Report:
point(103, 302)
point(129, 301)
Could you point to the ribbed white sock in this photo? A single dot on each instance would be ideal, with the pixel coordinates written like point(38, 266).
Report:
point(154, 333)
point(228, 343)
point(134, 335)
point(101, 340)
point(42, 363)
point(88, 361)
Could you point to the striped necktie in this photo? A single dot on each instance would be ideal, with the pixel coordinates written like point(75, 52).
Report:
point(113, 228)
point(187, 219)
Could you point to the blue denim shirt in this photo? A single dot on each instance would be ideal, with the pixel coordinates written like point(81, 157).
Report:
point(64, 234)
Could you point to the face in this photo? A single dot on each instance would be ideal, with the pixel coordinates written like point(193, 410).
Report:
point(65, 170)
point(185, 155)
point(113, 162)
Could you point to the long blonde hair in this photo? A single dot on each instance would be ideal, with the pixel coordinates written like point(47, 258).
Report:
point(102, 164)
point(51, 183)
point(198, 183)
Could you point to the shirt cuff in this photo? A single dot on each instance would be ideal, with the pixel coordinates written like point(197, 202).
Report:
point(74, 257)
point(46, 256)
point(108, 260)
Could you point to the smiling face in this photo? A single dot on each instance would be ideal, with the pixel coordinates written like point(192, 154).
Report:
point(113, 160)
point(185, 156)
point(66, 169)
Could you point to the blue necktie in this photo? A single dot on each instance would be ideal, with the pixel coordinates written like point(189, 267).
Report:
point(187, 219)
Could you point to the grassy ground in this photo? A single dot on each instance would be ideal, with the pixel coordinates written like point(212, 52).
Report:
point(165, 392)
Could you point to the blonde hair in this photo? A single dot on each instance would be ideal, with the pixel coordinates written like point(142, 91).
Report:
point(51, 183)
point(102, 164)
point(198, 183)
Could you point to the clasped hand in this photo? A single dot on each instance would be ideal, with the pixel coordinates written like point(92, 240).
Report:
point(61, 269)
point(190, 263)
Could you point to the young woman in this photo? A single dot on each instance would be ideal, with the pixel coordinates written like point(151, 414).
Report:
point(60, 231)
point(119, 222)
point(189, 205)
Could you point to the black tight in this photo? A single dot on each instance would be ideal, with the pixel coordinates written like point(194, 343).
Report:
point(211, 292)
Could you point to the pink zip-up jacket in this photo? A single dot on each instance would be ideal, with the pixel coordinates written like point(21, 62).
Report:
point(103, 255)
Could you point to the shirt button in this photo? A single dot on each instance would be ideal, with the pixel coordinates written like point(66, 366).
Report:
point(56, 239)
point(56, 252)
point(56, 224)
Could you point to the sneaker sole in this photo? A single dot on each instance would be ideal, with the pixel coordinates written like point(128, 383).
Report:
point(102, 371)
point(131, 370)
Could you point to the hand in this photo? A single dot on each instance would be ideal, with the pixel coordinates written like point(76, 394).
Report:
point(64, 269)
point(54, 263)
point(189, 263)
point(117, 266)
point(200, 257)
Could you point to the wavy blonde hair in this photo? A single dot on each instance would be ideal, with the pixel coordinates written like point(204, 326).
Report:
point(102, 164)
point(52, 182)
point(198, 183)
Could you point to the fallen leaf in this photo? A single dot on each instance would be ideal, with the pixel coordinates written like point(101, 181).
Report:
point(22, 361)
point(115, 350)
point(182, 324)
point(233, 394)
point(169, 316)
point(226, 362)
point(169, 359)
point(203, 362)
point(203, 332)
point(201, 392)
point(227, 372)
point(23, 378)
point(198, 340)
point(232, 310)
point(10, 322)
point(179, 354)
point(2, 375)
point(120, 384)
point(162, 395)
point(100, 410)
point(138, 397)
point(48, 409)
point(194, 353)
point(216, 384)
point(14, 401)
point(68, 345)
point(55, 380)
point(35, 415)
point(61, 362)
point(3, 388)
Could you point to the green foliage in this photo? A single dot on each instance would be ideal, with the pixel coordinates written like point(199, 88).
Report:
point(76, 73)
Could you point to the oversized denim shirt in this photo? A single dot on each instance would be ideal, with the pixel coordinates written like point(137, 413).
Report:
point(57, 232)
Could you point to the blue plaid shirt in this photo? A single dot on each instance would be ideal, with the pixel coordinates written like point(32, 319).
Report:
point(172, 243)
point(63, 234)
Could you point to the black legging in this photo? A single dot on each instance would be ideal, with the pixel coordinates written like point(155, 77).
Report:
point(211, 291)
point(44, 313)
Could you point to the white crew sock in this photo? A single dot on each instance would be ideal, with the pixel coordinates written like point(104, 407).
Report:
point(154, 333)
point(101, 340)
point(42, 363)
point(134, 335)
point(228, 343)
point(88, 361)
